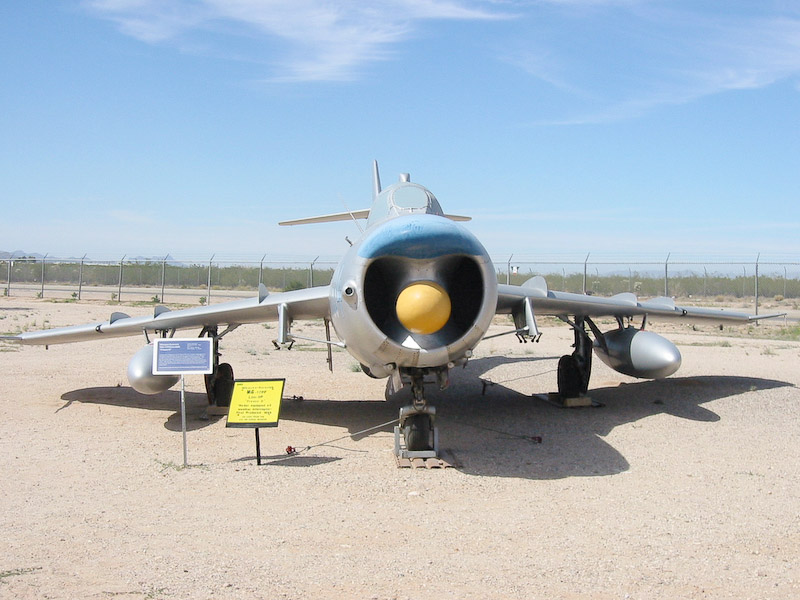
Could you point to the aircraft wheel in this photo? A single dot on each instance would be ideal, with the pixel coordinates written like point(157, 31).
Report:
point(417, 431)
point(570, 381)
point(219, 386)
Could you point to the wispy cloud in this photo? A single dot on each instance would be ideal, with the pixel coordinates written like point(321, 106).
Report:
point(657, 54)
point(317, 41)
point(609, 60)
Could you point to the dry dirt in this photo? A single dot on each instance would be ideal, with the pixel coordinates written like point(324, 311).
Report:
point(682, 488)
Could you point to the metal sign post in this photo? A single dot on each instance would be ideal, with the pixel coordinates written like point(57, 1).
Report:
point(183, 419)
point(182, 356)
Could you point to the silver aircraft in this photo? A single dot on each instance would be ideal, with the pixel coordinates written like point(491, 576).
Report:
point(410, 300)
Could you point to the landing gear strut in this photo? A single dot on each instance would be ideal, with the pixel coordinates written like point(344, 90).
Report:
point(575, 369)
point(219, 383)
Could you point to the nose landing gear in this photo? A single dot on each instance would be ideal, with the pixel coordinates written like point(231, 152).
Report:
point(420, 439)
point(415, 436)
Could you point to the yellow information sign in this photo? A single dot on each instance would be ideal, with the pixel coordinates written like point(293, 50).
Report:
point(255, 403)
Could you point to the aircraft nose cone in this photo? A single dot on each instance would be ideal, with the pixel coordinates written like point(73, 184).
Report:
point(423, 307)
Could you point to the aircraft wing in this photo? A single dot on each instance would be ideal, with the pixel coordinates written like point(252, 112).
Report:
point(351, 215)
point(343, 216)
point(311, 303)
point(565, 304)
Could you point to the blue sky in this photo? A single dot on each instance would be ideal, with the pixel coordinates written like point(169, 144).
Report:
point(637, 127)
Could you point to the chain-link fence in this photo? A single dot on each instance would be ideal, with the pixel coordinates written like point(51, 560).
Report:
point(167, 280)
point(678, 278)
point(200, 281)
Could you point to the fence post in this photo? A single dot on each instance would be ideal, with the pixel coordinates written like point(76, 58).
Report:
point(163, 277)
point(666, 275)
point(311, 273)
point(119, 288)
point(80, 277)
point(508, 270)
point(584, 272)
point(757, 259)
point(11, 264)
point(261, 271)
point(208, 299)
point(44, 259)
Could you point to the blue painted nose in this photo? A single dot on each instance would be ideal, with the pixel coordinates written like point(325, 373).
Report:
point(419, 237)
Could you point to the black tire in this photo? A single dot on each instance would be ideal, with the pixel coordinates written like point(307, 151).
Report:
point(219, 386)
point(570, 380)
point(417, 433)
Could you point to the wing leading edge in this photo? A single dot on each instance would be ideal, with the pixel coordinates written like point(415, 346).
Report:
point(564, 304)
point(311, 303)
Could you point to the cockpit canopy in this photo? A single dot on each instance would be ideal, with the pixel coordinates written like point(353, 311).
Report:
point(404, 198)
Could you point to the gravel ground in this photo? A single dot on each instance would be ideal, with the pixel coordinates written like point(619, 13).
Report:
point(683, 488)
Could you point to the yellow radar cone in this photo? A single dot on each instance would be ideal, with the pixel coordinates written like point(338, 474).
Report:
point(423, 307)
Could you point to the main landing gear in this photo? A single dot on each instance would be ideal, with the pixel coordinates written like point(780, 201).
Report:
point(575, 369)
point(219, 383)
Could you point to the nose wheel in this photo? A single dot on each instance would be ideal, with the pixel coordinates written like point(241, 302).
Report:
point(420, 439)
point(418, 432)
point(416, 436)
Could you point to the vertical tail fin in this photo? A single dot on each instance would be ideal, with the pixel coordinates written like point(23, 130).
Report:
point(376, 180)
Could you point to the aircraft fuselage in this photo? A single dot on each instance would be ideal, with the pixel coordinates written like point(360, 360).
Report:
point(417, 290)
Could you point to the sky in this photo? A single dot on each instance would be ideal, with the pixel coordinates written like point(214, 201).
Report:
point(563, 127)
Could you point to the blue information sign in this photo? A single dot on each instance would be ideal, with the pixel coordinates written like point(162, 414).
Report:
point(178, 356)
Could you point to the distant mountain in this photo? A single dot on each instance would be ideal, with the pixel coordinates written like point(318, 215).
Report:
point(19, 254)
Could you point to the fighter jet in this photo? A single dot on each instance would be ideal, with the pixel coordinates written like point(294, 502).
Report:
point(410, 301)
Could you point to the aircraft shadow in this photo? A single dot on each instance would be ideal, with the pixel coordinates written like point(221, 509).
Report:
point(196, 404)
point(489, 431)
point(503, 433)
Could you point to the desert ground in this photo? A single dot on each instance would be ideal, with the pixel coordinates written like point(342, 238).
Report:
point(687, 487)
